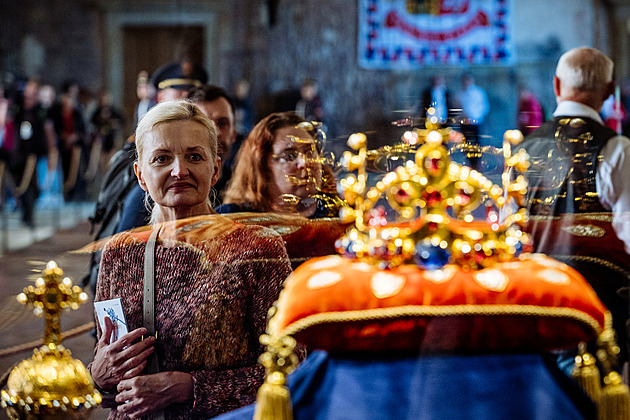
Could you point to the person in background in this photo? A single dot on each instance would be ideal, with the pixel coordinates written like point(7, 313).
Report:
point(146, 94)
point(217, 105)
point(578, 165)
point(49, 173)
point(438, 97)
point(614, 113)
point(243, 109)
point(7, 142)
point(214, 281)
point(107, 121)
point(310, 105)
point(35, 141)
point(475, 107)
point(278, 164)
point(529, 114)
point(71, 133)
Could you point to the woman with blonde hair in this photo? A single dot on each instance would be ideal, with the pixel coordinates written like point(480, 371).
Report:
point(196, 287)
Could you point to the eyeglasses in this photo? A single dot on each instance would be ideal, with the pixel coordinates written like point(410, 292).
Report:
point(305, 148)
point(290, 156)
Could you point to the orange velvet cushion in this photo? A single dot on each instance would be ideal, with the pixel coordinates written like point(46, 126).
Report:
point(534, 303)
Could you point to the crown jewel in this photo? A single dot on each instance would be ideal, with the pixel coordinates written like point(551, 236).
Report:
point(436, 201)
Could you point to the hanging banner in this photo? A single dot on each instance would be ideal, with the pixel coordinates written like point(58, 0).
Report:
point(409, 34)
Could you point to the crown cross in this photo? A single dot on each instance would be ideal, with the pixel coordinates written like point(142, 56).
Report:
point(50, 295)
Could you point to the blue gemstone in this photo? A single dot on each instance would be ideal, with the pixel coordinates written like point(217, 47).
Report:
point(519, 248)
point(431, 257)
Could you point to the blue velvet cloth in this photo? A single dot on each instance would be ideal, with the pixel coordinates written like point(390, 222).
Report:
point(510, 387)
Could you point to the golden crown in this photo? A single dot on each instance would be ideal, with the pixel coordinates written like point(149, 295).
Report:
point(434, 200)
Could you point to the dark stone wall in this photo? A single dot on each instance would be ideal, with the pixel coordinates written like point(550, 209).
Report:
point(275, 44)
point(68, 33)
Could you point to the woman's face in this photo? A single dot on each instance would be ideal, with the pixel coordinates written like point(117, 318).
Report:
point(294, 164)
point(177, 168)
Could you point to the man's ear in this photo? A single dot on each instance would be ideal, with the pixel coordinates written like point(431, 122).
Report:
point(138, 172)
point(557, 88)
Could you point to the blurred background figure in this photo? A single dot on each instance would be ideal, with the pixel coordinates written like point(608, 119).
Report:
point(438, 97)
point(71, 131)
point(47, 96)
point(614, 112)
point(107, 121)
point(49, 168)
point(6, 142)
point(146, 97)
point(244, 114)
point(530, 114)
point(475, 107)
point(172, 81)
point(35, 142)
point(310, 105)
point(217, 105)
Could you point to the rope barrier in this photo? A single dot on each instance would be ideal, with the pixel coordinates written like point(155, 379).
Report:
point(96, 152)
point(27, 175)
point(36, 343)
point(75, 160)
point(3, 165)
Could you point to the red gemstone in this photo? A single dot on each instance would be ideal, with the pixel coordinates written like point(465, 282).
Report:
point(402, 196)
point(434, 165)
point(433, 198)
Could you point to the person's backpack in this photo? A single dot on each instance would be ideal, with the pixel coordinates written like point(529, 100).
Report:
point(118, 182)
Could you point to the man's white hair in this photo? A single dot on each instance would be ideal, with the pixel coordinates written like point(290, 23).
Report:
point(585, 69)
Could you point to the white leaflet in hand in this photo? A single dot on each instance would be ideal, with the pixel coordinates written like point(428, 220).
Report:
point(113, 310)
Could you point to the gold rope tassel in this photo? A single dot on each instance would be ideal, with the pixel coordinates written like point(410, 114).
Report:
point(273, 401)
point(614, 400)
point(586, 374)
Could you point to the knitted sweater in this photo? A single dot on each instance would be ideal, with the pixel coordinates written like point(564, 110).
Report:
point(213, 286)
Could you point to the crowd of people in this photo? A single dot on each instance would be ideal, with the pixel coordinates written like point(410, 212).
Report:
point(197, 285)
point(54, 143)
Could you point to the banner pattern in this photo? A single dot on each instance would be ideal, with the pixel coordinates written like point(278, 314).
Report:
point(408, 34)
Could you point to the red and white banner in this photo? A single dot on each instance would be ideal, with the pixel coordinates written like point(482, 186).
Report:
point(408, 34)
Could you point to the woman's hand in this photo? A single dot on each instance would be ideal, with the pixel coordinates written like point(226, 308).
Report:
point(119, 360)
point(145, 394)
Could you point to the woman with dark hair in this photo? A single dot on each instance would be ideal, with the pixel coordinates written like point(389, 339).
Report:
point(209, 281)
point(278, 166)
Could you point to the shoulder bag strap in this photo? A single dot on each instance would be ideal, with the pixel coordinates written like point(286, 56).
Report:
point(148, 306)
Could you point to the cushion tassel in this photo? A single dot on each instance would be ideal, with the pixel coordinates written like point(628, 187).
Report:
point(586, 374)
point(614, 400)
point(273, 401)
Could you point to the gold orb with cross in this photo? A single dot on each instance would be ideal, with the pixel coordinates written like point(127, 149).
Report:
point(51, 384)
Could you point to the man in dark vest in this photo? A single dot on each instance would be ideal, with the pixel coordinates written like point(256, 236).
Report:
point(579, 182)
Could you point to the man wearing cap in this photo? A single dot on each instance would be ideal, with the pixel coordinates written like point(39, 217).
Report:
point(173, 81)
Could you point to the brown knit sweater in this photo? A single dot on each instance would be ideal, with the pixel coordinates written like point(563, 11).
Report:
point(213, 290)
